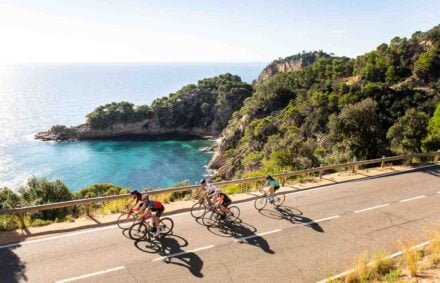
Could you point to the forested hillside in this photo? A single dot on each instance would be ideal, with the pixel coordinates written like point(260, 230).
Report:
point(338, 109)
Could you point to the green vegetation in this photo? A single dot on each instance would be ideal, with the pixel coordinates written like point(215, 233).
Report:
point(338, 109)
point(208, 106)
point(432, 141)
point(114, 113)
point(42, 191)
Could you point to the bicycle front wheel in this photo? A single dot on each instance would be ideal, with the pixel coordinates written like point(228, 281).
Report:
point(198, 209)
point(166, 225)
point(126, 220)
point(138, 231)
point(234, 213)
point(279, 199)
point(260, 203)
point(209, 218)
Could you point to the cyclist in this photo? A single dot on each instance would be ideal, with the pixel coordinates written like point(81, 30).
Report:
point(150, 205)
point(208, 190)
point(137, 199)
point(272, 186)
point(221, 201)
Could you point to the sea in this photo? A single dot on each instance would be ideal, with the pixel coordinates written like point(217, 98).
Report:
point(34, 97)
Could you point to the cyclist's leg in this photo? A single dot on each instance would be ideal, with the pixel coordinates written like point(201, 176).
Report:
point(271, 191)
point(158, 215)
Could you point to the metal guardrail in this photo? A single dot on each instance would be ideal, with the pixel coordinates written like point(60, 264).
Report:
point(283, 176)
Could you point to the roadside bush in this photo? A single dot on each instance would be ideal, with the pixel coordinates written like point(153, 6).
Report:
point(8, 222)
point(42, 191)
point(8, 199)
point(100, 190)
point(40, 222)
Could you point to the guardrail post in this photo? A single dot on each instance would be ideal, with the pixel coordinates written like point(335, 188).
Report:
point(283, 181)
point(382, 165)
point(437, 156)
point(353, 168)
point(321, 172)
point(87, 206)
point(21, 220)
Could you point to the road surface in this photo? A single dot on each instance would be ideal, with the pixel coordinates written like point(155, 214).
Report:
point(315, 234)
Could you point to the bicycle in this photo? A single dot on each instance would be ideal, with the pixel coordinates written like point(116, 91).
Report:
point(144, 228)
point(261, 202)
point(213, 215)
point(127, 219)
point(199, 208)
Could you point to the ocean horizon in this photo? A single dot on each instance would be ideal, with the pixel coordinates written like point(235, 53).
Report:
point(34, 97)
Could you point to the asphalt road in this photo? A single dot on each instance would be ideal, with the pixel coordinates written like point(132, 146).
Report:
point(315, 234)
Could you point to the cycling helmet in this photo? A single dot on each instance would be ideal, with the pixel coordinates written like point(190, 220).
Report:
point(217, 191)
point(145, 197)
point(269, 177)
point(202, 182)
point(135, 192)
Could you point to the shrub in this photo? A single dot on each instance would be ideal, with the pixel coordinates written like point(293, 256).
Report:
point(43, 191)
point(8, 222)
point(40, 222)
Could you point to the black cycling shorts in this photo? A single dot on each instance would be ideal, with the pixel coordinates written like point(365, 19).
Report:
point(158, 211)
point(276, 188)
point(226, 202)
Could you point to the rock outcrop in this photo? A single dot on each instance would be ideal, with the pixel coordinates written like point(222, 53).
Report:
point(290, 64)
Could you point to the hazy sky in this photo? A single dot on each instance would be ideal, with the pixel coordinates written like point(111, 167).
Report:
point(201, 30)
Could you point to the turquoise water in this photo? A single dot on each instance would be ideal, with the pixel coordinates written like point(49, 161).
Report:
point(35, 97)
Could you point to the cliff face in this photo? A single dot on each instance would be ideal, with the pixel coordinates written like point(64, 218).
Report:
point(195, 110)
point(289, 64)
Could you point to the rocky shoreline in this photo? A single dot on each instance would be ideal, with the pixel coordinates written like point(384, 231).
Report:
point(138, 130)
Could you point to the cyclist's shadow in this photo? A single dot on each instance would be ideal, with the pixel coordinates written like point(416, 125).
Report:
point(245, 233)
point(287, 213)
point(171, 250)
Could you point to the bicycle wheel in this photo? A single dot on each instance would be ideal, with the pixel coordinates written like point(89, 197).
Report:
point(260, 203)
point(126, 220)
point(234, 213)
point(210, 218)
point(138, 231)
point(166, 225)
point(279, 199)
point(198, 209)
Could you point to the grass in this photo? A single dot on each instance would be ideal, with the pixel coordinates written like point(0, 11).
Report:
point(411, 257)
point(369, 269)
point(433, 250)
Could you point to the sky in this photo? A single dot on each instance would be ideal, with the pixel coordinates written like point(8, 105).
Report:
point(79, 31)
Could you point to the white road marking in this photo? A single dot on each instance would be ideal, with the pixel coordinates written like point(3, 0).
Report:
point(258, 235)
point(371, 208)
point(90, 274)
point(184, 252)
point(414, 198)
point(320, 220)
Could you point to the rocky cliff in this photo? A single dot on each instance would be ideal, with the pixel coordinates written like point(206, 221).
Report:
point(289, 64)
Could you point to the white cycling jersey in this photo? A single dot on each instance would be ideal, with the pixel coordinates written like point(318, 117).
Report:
point(210, 188)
